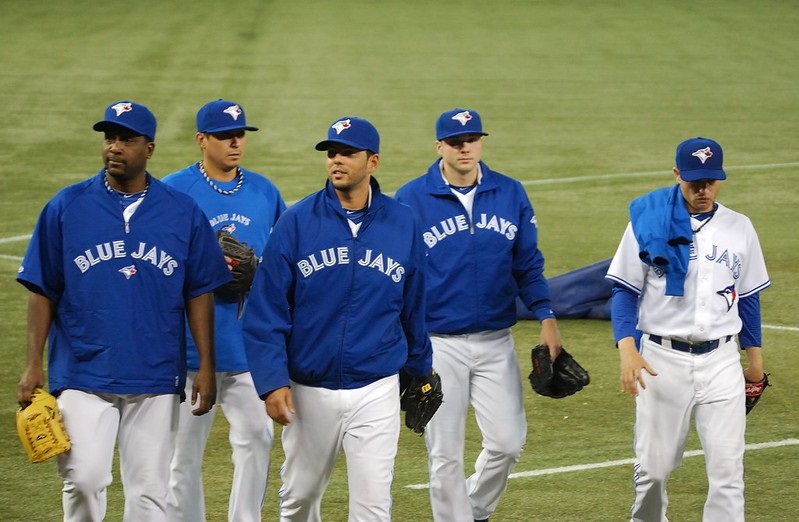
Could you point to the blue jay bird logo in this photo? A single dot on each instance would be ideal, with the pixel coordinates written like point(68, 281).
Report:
point(128, 271)
point(463, 117)
point(341, 125)
point(730, 295)
point(234, 111)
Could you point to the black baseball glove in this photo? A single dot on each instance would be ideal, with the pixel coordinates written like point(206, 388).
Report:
point(243, 264)
point(420, 399)
point(754, 390)
point(557, 379)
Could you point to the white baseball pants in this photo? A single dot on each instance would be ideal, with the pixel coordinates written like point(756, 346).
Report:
point(711, 387)
point(366, 423)
point(250, 437)
point(481, 369)
point(144, 426)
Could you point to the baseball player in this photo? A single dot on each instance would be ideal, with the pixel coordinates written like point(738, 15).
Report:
point(482, 248)
point(247, 205)
point(336, 310)
point(116, 266)
point(687, 278)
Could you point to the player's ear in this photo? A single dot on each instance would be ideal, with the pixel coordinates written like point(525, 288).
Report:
point(676, 174)
point(150, 149)
point(199, 138)
point(373, 161)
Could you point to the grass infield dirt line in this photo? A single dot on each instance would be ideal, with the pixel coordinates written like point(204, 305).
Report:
point(624, 462)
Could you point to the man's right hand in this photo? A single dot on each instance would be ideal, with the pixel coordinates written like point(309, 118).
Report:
point(280, 405)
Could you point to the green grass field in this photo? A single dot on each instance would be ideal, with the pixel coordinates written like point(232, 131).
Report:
point(584, 103)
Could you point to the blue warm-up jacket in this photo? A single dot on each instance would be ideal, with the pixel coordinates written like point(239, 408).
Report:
point(478, 266)
point(335, 310)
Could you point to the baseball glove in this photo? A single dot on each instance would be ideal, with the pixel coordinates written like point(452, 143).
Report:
point(754, 390)
point(557, 379)
point(41, 429)
point(243, 264)
point(420, 400)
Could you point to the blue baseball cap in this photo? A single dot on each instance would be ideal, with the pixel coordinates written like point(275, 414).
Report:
point(129, 115)
point(457, 122)
point(700, 158)
point(221, 115)
point(353, 132)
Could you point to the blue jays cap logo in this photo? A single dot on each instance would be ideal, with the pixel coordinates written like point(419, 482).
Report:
point(341, 125)
point(128, 271)
point(703, 154)
point(121, 107)
point(462, 117)
point(234, 111)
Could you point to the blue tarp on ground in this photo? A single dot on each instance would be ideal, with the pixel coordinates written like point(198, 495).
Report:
point(583, 293)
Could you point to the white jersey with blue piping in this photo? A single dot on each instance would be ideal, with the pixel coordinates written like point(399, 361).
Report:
point(726, 263)
point(338, 310)
point(120, 291)
point(249, 214)
point(491, 257)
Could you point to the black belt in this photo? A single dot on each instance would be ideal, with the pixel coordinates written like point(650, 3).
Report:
point(705, 347)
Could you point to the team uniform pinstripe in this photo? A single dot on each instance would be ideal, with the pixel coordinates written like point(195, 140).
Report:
point(726, 263)
point(249, 213)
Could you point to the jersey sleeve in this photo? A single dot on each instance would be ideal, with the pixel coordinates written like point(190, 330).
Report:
point(266, 323)
point(754, 276)
point(528, 263)
point(626, 268)
point(420, 350)
point(42, 269)
point(206, 266)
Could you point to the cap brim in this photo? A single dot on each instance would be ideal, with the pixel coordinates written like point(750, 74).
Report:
point(229, 128)
point(696, 175)
point(102, 126)
point(325, 145)
point(461, 133)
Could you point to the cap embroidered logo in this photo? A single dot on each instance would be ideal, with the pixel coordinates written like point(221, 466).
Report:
point(341, 125)
point(703, 154)
point(121, 107)
point(234, 111)
point(463, 117)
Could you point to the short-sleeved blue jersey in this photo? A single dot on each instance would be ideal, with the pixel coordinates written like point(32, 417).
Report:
point(120, 288)
point(248, 213)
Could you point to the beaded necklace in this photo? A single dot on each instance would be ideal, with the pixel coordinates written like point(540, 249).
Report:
point(125, 198)
point(239, 177)
point(129, 205)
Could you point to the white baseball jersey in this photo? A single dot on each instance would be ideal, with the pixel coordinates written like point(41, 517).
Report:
point(726, 263)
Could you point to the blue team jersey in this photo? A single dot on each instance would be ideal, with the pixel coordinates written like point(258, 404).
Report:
point(334, 309)
point(478, 265)
point(249, 214)
point(120, 289)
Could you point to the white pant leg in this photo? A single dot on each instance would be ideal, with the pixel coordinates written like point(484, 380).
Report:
point(662, 421)
point(497, 398)
point(186, 500)
point(721, 426)
point(311, 443)
point(147, 428)
point(445, 433)
point(91, 423)
point(370, 445)
point(250, 436)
